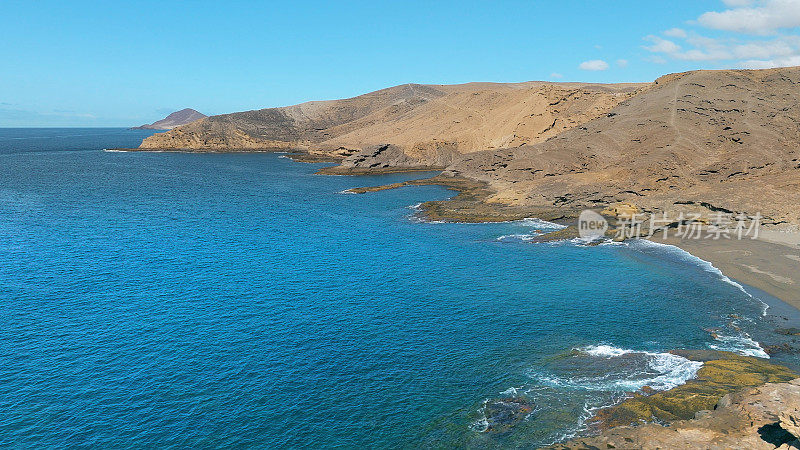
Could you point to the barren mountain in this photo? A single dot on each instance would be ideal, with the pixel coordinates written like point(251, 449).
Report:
point(729, 140)
point(431, 124)
point(175, 119)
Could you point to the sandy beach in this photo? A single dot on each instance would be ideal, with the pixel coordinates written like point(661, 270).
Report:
point(770, 263)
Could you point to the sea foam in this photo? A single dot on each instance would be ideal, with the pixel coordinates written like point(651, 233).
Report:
point(539, 223)
point(540, 226)
point(663, 371)
point(742, 344)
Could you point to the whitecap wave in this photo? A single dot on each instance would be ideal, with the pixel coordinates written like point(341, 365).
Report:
point(482, 424)
point(518, 237)
point(512, 391)
point(584, 240)
point(742, 344)
point(415, 216)
point(588, 412)
point(593, 242)
point(540, 227)
point(539, 223)
point(661, 371)
point(602, 350)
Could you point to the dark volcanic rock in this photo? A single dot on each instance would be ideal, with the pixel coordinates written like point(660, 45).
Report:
point(504, 413)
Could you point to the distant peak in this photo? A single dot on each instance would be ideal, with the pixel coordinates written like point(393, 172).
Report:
point(175, 119)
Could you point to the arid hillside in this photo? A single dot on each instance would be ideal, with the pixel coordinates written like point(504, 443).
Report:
point(726, 139)
point(429, 123)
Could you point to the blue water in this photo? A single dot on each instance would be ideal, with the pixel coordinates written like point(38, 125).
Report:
point(209, 300)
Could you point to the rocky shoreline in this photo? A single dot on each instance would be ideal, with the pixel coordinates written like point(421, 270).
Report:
point(763, 417)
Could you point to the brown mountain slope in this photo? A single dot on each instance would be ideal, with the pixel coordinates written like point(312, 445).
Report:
point(480, 116)
point(429, 123)
point(730, 139)
point(299, 126)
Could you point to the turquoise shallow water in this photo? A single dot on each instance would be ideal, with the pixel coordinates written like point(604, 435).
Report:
point(168, 299)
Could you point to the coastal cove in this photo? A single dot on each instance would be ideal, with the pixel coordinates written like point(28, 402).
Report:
point(232, 298)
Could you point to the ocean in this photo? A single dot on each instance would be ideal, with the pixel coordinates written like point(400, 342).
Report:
point(210, 300)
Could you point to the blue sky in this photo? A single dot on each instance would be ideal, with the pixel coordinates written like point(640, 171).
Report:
point(125, 63)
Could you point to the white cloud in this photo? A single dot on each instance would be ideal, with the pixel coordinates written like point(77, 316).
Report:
point(556, 75)
point(781, 47)
point(771, 63)
point(766, 18)
point(622, 63)
point(661, 45)
point(756, 64)
point(676, 33)
point(740, 51)
point(595, 65)
point(705, 49)
point(699, 55)
point(738, 44)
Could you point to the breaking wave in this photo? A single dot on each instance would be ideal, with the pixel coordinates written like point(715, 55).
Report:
point(540, 227)
point(518, 237)
point(415, 216)
point(659, 371)
point(539, 223)
point(742, 344)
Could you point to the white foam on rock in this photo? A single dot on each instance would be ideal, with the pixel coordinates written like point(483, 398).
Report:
point(518, 237)
point(539, 223)
point(664, 371)
point(742, 344)
point(603, 350)
point(540, 226)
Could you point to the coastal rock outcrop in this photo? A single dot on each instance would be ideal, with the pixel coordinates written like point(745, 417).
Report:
point(504, 413)
point(764, 417)
point(734, 402)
